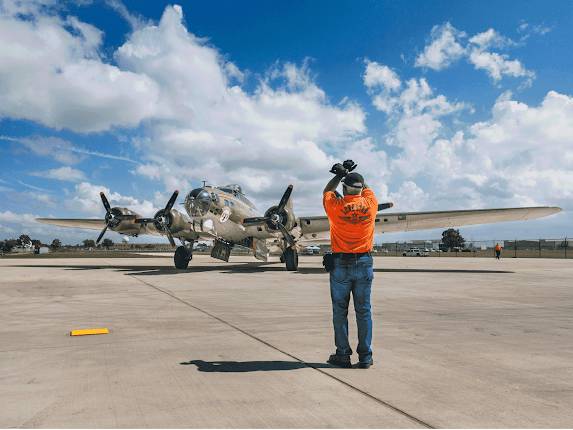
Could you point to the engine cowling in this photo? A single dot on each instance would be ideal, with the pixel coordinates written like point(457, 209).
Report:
point(173, 220)
point(278, 216)
point(122, 220)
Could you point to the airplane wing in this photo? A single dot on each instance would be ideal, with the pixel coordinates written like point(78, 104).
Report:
point(131, 229)
point(91, 224)
point(316, 229)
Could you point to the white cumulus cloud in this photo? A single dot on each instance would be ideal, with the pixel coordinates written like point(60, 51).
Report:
point(444, 48)
point(51, 72)
point(447, 45)
point(521, 155)
point(211, 128)
point(498, 65)
point(201, 122)
point(64, 173)
point(380, 75)
point(86, 199)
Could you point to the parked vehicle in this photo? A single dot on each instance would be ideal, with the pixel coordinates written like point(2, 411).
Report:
point(200, 246)
point(312, 250)
point(415, 252)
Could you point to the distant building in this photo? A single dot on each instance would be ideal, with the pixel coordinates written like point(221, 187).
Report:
point(27, 248)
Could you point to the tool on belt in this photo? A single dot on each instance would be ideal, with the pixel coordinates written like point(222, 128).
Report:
point(328, 261)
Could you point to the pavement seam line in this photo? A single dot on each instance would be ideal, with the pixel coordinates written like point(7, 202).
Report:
point(252, 336)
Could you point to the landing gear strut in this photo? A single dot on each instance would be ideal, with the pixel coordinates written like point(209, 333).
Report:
point(182, 256)
point(290, 258)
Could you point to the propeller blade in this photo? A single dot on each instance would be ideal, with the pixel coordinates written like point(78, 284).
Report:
point(101, 234)
point(171, 201)
point(383, 206)
point(169, 236)
point(288, 238)
point(256, 220)
point(105, 202)
point(284, 199)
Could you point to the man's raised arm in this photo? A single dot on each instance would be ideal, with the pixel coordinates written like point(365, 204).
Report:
point(332, 184)
point(340, 172)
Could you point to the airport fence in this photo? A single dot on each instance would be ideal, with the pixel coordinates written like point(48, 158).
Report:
point(513, 248)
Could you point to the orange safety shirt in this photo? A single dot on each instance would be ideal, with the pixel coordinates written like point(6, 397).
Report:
point(352, 220)
point(498, 247)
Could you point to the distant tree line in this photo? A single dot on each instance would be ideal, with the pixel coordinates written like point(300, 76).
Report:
point(90, 243)
point(8, 245)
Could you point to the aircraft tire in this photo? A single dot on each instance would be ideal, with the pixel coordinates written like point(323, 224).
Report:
point(290, 257)
point(182, 257)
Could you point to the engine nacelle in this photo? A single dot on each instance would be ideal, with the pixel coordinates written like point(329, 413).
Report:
point(124, 226)
point(174, 220)
point(285, 217)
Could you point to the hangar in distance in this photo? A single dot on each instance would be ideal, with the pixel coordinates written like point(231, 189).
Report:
point(225, 215)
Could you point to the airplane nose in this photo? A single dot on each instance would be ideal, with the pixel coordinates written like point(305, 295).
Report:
point(200, 202)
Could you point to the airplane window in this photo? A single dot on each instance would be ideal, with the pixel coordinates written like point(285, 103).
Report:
point(195, 192)
point(232, 189)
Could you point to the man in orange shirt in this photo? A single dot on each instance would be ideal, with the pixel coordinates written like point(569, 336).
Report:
point(497, 251)
point(352, 219)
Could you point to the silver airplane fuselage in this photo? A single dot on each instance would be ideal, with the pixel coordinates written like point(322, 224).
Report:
point(219, 211)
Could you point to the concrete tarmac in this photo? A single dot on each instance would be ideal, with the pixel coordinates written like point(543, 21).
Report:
point(457, 343)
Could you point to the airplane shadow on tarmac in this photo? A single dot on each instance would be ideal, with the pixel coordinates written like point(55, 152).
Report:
point(236, 269)
point(251, 366)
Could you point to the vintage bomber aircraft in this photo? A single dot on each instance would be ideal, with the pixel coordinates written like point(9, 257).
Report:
point(225, 215)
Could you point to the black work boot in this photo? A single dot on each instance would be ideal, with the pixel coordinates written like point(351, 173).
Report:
point(365, 364)
point(340, 361)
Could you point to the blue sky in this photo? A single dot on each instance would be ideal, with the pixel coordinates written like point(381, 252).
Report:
point(445, 105)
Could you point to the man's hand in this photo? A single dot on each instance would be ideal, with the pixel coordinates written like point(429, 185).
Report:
point(339, 170)
point(349, 165)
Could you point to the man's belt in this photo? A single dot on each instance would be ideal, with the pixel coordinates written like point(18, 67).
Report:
point(350, 254)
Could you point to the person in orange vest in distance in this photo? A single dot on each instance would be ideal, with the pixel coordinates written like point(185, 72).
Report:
point(352, 219)
point(497, 251)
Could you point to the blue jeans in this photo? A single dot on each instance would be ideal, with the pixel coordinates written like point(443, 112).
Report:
point(352, 275)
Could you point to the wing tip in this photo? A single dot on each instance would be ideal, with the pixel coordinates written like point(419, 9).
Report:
point(550, 209)
point(541, 212)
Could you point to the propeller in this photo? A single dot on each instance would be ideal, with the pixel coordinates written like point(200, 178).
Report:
point(275, 218)
point(113, 217)
point(162, 219)
point(384, 206)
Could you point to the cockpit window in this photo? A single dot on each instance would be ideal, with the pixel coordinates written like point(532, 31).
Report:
point(233, 189)
point(195, 192)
